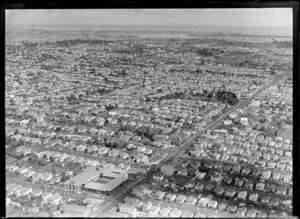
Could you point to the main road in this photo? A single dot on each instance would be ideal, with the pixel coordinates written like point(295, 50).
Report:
point(177, 153)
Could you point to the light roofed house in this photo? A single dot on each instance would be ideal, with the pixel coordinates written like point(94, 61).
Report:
point(128, 209)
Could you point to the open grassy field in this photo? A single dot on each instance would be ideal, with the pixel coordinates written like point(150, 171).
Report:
point(287, 133)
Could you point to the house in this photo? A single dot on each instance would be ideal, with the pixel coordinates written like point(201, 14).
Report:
point(46, 196)
point(153, 211)
point(180, 199)
point(36, 176)
point(46, 176)
point(212, 204)
point(131, 201)
point(191, 200)
point(148, 151)
point(127, 208)
point(138, 191)
point(230, 192)
point(159, 195)
point(253, 197)
point(55, 199)
point(251, 213)
point(141, 148)
point(26, 191)
point(147, 206)
point(203, 202)
point(158, 176)
point(238, 182)
point(165, 211)
point(265, 199)
point(276, 175)
point(242, 195)
point(37, 192)
point(103, 150)
point(22, 170)
point(81, 148)
point(170, 197)
point(281, 190)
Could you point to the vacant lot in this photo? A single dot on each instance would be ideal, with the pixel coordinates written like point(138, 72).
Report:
point(287, 133)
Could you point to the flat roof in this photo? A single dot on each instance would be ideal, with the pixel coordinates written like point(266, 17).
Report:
point(83, 177)
point(108, 186)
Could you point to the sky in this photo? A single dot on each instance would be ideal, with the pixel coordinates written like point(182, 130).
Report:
point(250, 17)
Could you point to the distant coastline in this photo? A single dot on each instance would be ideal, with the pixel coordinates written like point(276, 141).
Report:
point(285, 32)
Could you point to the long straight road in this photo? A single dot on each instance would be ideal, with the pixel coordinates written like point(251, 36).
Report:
point(177, 153)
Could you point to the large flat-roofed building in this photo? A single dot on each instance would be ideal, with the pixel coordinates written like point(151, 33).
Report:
point(108, 180)
point(97, 180)
point(76, 182)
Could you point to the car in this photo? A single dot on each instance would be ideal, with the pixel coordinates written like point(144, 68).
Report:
point(231, 208)
point(251, 213)
point(241, 211)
